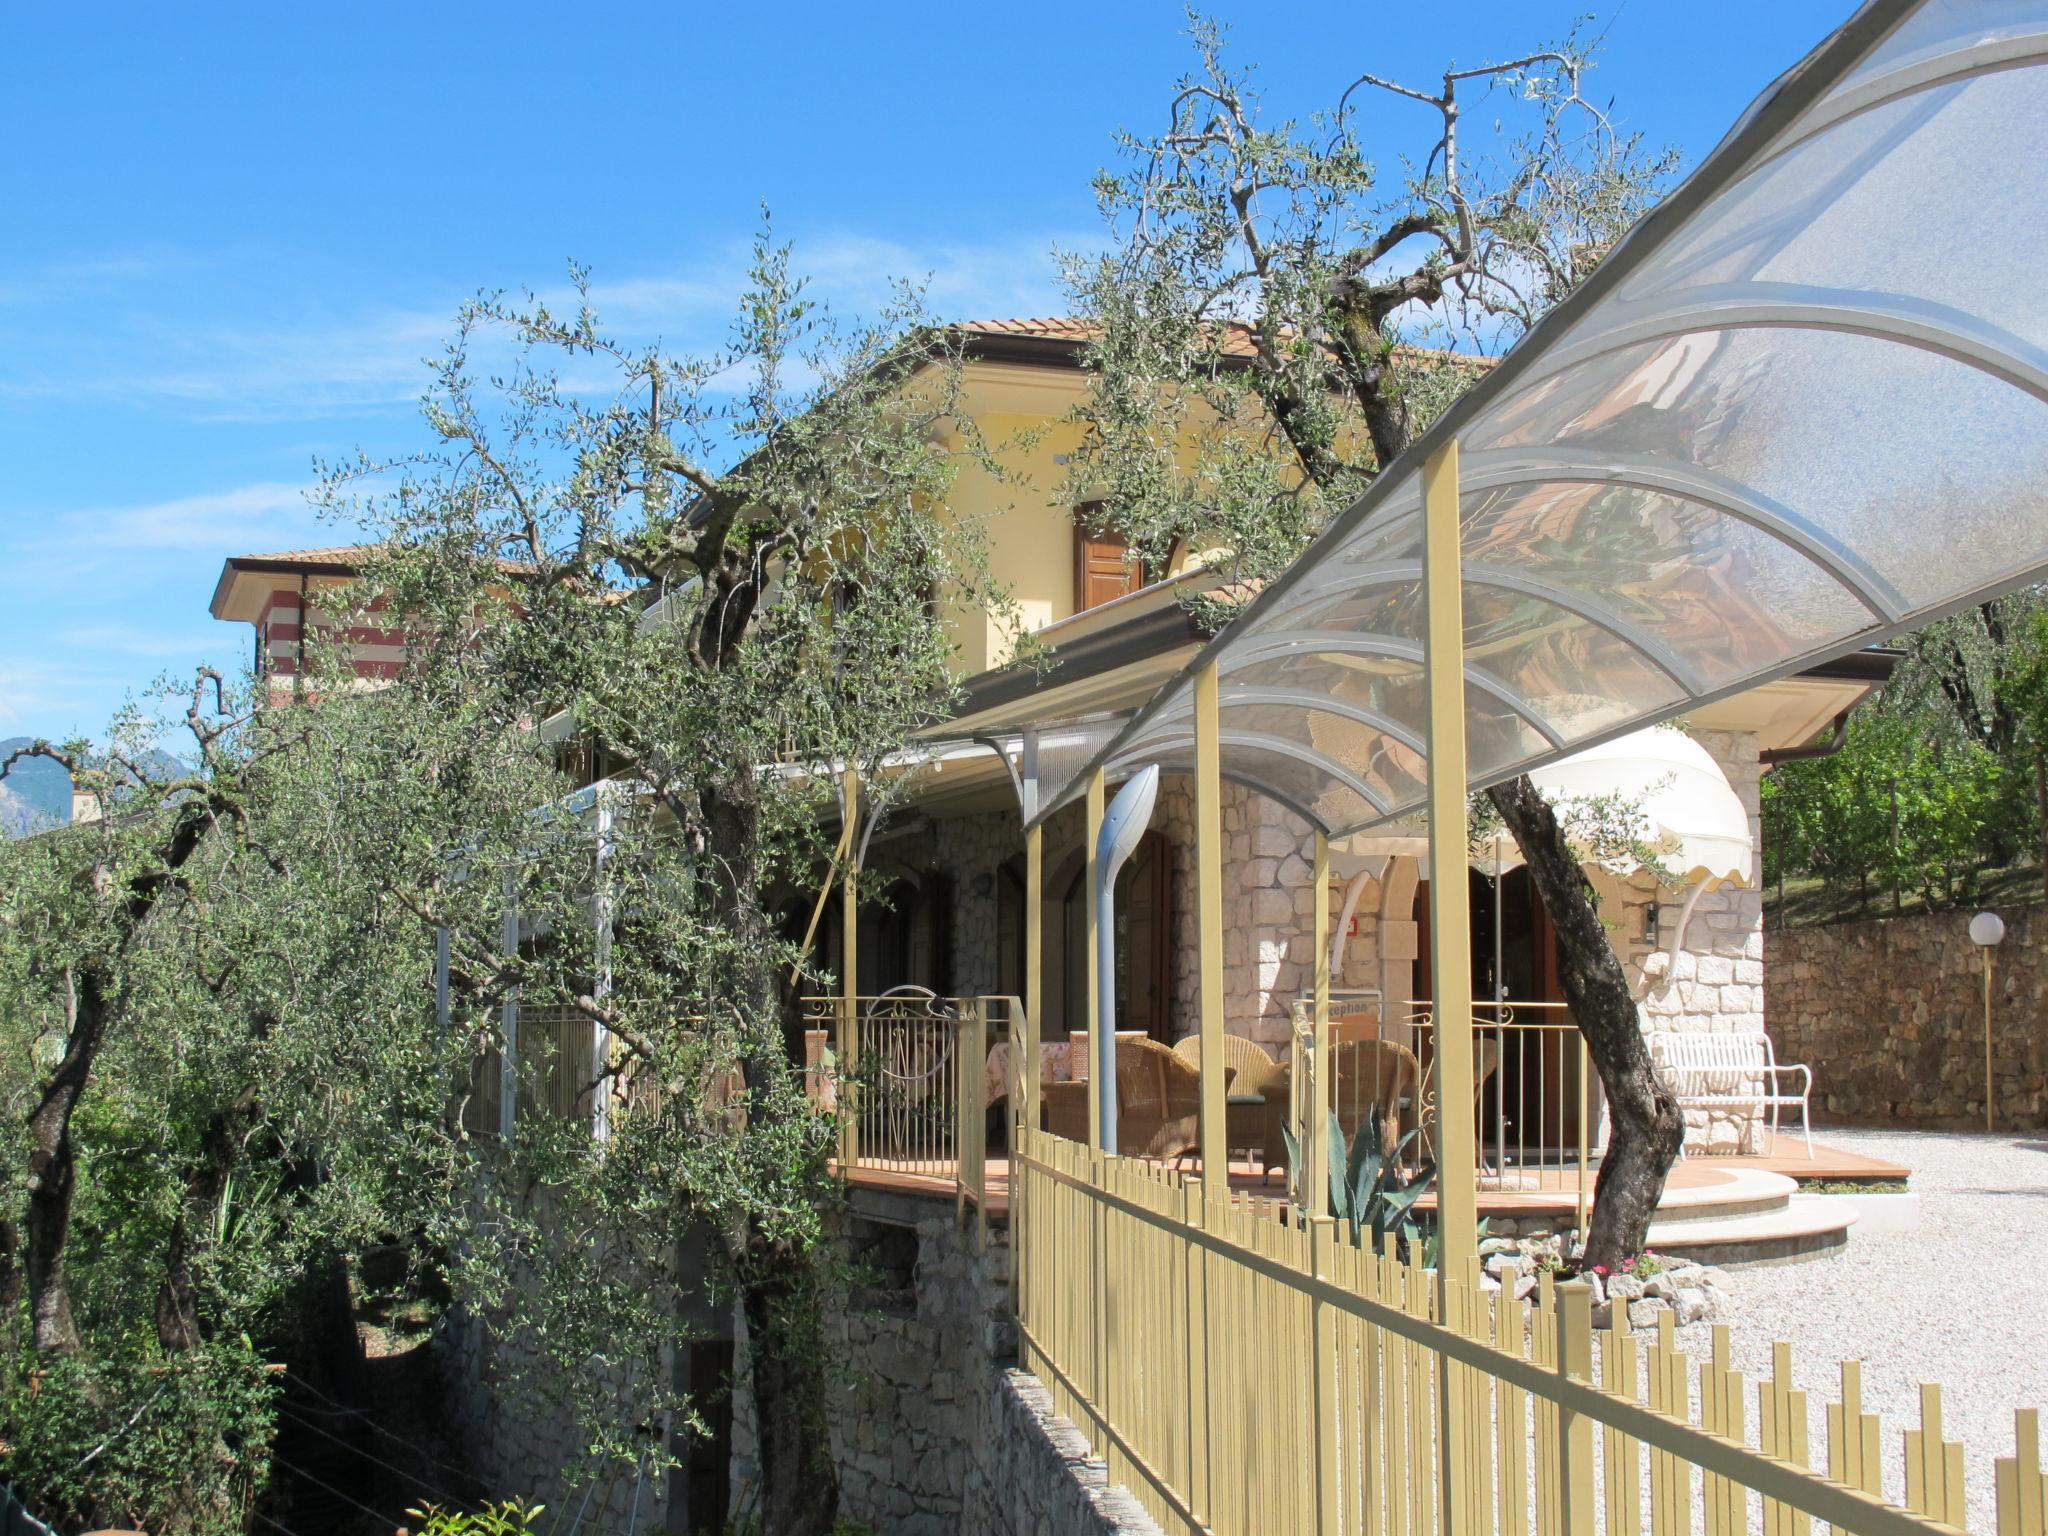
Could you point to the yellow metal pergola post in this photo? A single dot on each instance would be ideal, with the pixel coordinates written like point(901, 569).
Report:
point(1315, 1110)
point(1450, 920)
point(1209, 1322)
point(1092, 1011)
point(1450, 936)
point(849, 979)
point(1033, 985)
point(1209, 927)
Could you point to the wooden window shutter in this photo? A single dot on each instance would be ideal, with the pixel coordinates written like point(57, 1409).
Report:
point(1101, 572)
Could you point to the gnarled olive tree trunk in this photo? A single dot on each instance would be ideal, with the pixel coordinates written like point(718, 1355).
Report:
point(53, 1168)
point(1646, 1124)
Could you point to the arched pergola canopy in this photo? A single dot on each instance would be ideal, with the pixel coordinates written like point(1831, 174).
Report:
point(1802, 407)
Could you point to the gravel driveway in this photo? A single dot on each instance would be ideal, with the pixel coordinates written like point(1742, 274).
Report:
point(1961, 1300)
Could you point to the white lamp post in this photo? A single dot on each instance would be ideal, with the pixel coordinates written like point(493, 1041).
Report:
point(1986, 929)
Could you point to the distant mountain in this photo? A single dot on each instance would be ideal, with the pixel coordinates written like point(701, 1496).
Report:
point(35, 794)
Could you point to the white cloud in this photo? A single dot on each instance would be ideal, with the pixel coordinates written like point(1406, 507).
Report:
point(37, 697)
point(266, 514)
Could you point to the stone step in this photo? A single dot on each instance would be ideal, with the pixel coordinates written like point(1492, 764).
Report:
point(1739, 1192)
point(1806, 1227)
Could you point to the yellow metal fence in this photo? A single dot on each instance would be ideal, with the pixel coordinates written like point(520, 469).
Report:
point(1243, 1370)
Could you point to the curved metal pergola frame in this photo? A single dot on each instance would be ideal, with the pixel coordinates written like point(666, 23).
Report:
point(1627, 343)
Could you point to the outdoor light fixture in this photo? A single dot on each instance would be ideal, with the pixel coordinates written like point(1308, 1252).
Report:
point(1986, 929)
point(1122, 825)
point(1650, 923)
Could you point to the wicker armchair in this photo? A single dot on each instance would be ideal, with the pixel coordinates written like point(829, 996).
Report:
point(1246, 1062)
point(1158, 1099)
point(1063, 1108)
point(1374, 1074)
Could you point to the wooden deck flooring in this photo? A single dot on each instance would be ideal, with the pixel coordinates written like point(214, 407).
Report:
point(1523, 1192)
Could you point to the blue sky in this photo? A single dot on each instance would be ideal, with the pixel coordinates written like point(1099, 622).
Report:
point(232, 231)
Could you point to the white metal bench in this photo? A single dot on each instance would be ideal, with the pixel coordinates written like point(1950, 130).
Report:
point(1707, 1070)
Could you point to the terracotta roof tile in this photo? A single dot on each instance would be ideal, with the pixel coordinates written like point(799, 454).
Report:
point(336, 554)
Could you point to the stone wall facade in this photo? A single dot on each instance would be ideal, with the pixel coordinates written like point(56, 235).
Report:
point(1890, 1016)
point(518, 1442)
point(508, 1407)
point(1717, 982)
point(935, 1433)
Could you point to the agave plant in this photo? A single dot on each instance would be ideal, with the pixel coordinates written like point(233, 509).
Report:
point(1368, 1189)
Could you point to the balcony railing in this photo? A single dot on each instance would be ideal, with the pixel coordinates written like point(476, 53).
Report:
point(916, 1079)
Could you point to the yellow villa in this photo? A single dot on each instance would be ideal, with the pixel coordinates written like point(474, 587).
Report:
point(1099, 1304)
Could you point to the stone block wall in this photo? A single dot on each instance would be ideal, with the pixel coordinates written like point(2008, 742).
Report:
point(914, 1348)
point(508, 1408)
point(973, 849)
point(1718, 981)
point(1268, 914)
point(1890, 1016)
point(520, 1441)
point(1043, 1476)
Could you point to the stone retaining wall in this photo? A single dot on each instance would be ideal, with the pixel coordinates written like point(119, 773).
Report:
point(934, 1432)
point(1044, 1478)
point(1890, 1016)
point(913, 1349)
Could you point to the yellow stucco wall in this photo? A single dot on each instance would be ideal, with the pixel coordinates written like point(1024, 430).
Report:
point(1023, 504)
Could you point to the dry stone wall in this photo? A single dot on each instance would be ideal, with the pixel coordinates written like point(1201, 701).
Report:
point(913, 1348)
point(1044, 1477)
point(521, 1440)
point(935, 1433)
point(1890, 1016)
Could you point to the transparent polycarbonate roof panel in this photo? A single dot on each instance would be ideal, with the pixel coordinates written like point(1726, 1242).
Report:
point(1836, 434)
point(1941, 29)
point(1499, 728)
point(1801, 408)
point(1828, 216)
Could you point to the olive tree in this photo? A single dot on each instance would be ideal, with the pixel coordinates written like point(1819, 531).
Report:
point(205, 1050)
point(1275, 300)
point(718, 579)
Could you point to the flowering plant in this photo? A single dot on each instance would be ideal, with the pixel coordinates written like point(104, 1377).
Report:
point(1642, 1266)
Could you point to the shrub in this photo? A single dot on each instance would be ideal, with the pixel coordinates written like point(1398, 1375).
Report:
point(512, 1517)
point(176, 1447)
